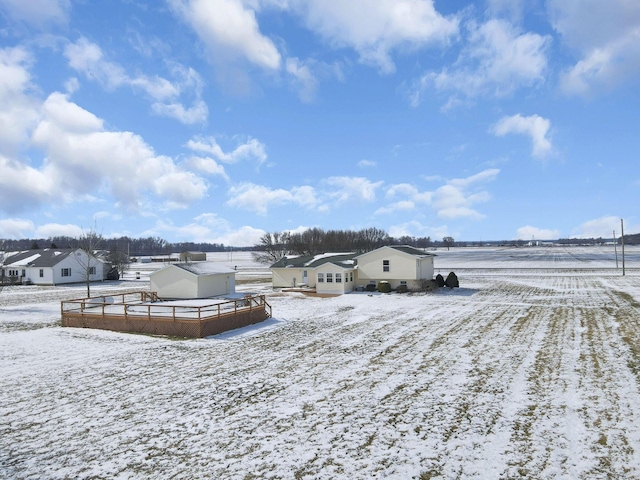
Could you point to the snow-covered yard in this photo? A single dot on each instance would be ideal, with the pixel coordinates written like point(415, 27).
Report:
point(521, 373)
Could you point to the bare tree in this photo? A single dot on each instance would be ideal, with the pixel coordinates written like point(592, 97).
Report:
point(448, 242)
point(119, 259)
point(372, 238)
point(88, 242)
point(272, 247)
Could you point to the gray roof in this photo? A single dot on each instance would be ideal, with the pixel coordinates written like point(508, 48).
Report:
point(204, 268)
point(47, 257)
point(346, 260)
point(412, 250)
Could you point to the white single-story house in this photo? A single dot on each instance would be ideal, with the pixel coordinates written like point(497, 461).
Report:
point(52, 266)
point(339, 273)
point(193, 280)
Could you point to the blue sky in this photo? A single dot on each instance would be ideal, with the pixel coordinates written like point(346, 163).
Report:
point(218, 120)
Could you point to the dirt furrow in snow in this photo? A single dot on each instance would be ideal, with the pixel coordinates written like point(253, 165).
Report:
point(522, 377)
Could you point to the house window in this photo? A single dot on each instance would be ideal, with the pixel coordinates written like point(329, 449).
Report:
point(403, 282)
point(385, 265)
point(338, 278)
point(351, 276)
point(41, 272)
point(66, 272)
point(329, 277)
point(13, 273)
point(24, 272)
point(321, 278)
point(92, 270)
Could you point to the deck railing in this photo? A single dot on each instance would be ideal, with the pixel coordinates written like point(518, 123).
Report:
point(145, 305)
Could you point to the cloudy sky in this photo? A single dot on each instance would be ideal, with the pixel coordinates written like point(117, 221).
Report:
point(218, 120)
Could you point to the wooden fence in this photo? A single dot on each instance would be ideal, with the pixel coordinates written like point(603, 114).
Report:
point(142, 312)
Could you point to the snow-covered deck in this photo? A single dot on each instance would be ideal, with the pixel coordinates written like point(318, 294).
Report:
point(140, 312)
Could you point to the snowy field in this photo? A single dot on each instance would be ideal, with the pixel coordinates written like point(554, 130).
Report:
point(531, 370)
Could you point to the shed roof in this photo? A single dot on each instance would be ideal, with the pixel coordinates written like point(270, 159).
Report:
point(201, 268)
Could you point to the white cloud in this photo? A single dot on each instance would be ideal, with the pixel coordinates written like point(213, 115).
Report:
point(533, 233)
point(458, 196)
point(376, 28)
point(18, 110)
point(305, 196)
point(534, 126)
point(416, 229)
point(402, 189)
point(345, 189)
point(402, 205)
point(37, 13)
point(180, 188)
point(229, 30)
point(303, 78)
point(22, 186)
point(606, 35)
point(251, 149)
point(210, 228)
point(497, 61)
point(16, 228)
point(257, 198)
point(367, 164)
point(59, 230)
point(600, 227)
point(206, 165)
point(165, 95)
point(83, 158)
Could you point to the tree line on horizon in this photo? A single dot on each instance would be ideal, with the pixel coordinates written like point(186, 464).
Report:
point(134, 247)
point(277, 245)
point(309, 242)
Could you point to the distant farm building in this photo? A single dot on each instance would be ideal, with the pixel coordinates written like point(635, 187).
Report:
point(193, 257)
point(192, 280)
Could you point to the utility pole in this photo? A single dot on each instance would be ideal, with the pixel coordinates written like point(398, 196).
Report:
point(622, 238)
point(615, 247)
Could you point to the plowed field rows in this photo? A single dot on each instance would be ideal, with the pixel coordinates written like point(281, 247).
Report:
point(526, 377)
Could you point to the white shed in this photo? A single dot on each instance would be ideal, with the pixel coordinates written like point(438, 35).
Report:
point(193, 280)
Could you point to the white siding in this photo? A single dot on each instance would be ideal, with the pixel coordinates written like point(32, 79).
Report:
point(402, 267)
point(214, 285)
point(345, 286)
point(291, 276)
point(175, 282)
point(77, 264)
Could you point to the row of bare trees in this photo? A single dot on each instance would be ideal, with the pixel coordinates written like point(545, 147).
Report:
point(274, 246)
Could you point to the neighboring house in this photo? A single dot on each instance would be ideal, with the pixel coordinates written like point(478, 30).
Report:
point(396, 264)
point(193, 256)
point(339, 273)
point(51, 266)
point(193, 280)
